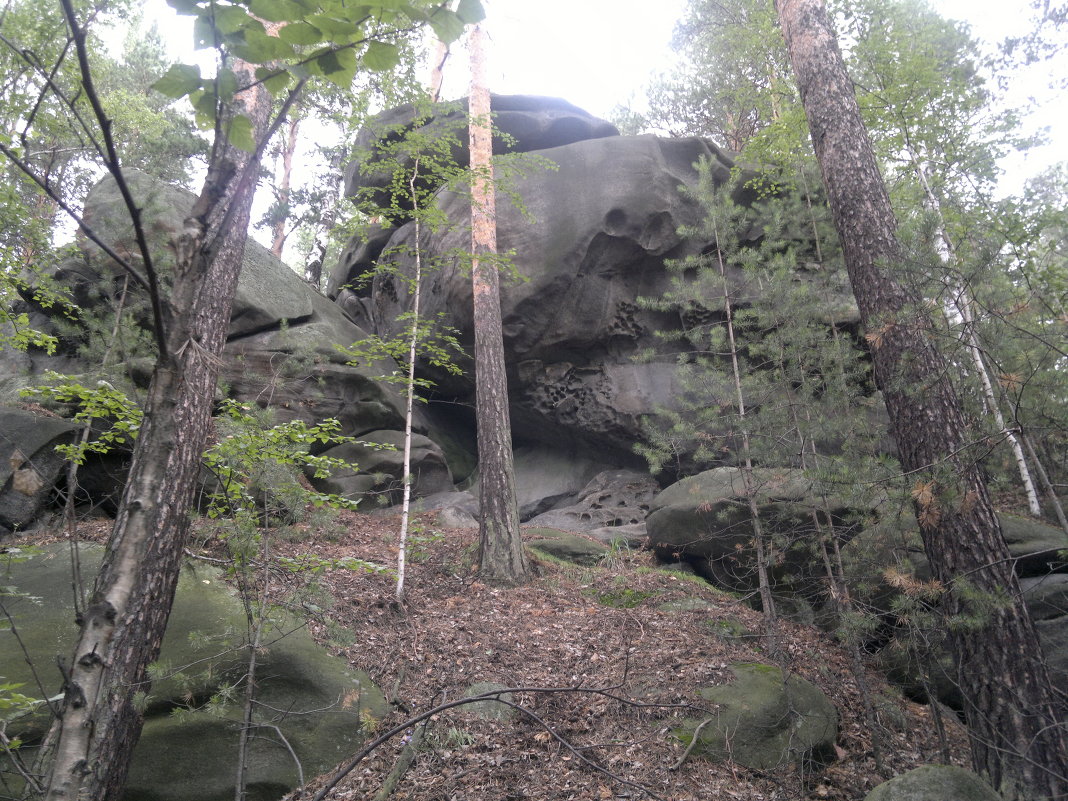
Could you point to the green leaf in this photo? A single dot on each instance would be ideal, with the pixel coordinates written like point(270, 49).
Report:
point(188, 8)
point(180, 80)
point(301, 33)
point(339, 30)
point(259, 48)
point(203, 32)
point(471, 11)
point(274, 80)
point(226, 85)
point(277, 10)
point(231, 19)
point(338, 66)
point(447, 25)
point(381, 56)
point(239, 133)
point(204, 107)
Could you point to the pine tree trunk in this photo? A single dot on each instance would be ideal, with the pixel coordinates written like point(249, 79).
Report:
point(123, 625)
point(501, 557)
point(1017, 741)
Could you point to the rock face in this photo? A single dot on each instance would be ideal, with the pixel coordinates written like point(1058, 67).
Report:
point(188, 749)
point(706, 519)
point(934, 783)
point(523, 123)
point(603, 224)
point(29, 464)
point(765, 719)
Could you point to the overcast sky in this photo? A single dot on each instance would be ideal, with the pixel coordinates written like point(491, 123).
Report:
point(600, 53)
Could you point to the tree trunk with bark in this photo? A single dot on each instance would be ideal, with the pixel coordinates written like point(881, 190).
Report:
point(501, 557)
point(278, 228)
point(123, 626)
point(1018, 743)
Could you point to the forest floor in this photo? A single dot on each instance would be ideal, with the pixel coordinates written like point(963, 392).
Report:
point(625, 672)
point(630, 671)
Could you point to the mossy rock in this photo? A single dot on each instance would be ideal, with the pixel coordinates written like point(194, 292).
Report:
point(566, 546)
point(488, 710)
point(934, 783)
point(765, 719)
point(687, 605)
point(1034, 545)
point(191, 755)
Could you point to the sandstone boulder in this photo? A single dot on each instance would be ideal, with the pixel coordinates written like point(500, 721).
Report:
point(764, 719)
point(378, 468)
point(29, 464)
point(189, 747)
point(522, 123)
point(934, 783)
point(706, 519)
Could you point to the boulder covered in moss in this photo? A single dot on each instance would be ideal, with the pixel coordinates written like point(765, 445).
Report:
point(763, 719)
point(310, 708)
point(934, 783)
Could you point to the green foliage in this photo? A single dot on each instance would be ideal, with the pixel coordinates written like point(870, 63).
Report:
point(103, 404)
point(254, 464)
point(327, 40)
point(802, 377)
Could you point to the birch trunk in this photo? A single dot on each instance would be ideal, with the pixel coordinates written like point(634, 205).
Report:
point(123, 625)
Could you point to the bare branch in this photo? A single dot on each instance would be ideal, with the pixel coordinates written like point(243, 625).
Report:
point(111, 161)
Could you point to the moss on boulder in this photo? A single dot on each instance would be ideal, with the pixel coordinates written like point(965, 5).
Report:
point(764, 719)
point(934, 783)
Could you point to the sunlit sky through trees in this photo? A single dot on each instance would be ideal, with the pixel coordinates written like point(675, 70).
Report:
point(600, 53)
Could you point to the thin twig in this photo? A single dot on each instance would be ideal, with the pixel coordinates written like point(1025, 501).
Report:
point(693, 743)
point(112, 163)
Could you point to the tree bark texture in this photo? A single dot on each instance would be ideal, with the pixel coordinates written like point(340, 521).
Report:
point(123, 625)
point(278, 241)
point(501, 557)
point(1017, 741)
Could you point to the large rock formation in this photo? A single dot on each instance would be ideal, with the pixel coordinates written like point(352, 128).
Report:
point(310, 711)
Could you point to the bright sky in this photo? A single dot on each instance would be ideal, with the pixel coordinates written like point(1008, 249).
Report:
point(600, 53)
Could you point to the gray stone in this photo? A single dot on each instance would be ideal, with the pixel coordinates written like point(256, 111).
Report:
point(522, 123)
point(706, 517)
point(489, 709)
point(455, 509)
point(1046, 596)
point(316, 702)
point(1034, 545)
point(378, 471)
point(765, 719)
point(544, 477)
point(631, 535)
point(1053, 634)
point(268, 291)
point(613, 499)
point(565, 546)
point(934, 783)
point(29, 464)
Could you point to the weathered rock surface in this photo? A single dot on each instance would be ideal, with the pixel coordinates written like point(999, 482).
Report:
point(566, 546)
point(546, 476)
point(705, 518)
point(378, 471)
point(764, 719)
point(312, 697)
point(876, 555)
point(29, 464)
point(613, 505)
point(934, 783)
point(522, 123)
point(603, 225)
point(283, 336)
